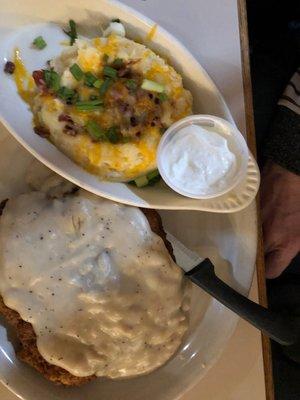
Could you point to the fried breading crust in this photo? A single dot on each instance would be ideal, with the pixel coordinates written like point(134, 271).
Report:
point(28, 351)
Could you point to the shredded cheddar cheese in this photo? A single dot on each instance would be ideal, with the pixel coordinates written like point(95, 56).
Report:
point(23, 80)
point(152, 32)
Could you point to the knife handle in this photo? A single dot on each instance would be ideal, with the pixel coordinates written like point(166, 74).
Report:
point(270, 323)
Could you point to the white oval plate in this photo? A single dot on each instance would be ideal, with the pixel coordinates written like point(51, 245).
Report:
point(16, 116)
point(229, 240)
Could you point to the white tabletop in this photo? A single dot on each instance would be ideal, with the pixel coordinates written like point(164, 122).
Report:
point(210, 30)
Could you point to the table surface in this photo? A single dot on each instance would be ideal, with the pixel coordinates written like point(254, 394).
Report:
point(213, 36)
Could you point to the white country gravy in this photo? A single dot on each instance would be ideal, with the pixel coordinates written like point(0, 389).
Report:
point(98, 286)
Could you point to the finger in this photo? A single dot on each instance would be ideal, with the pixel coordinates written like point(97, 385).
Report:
point(278, 260)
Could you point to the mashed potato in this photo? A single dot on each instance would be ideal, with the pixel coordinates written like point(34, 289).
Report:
point(108, 112)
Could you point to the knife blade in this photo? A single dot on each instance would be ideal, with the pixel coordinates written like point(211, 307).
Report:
point(201, 272)
point(185, 257)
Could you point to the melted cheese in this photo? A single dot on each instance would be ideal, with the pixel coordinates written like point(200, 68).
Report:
point(107, 46)
point(152, 32)
point(24, 81)
point(129, 159)
point(89, 59)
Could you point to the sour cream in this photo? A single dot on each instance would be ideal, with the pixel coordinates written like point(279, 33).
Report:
point(197, 161)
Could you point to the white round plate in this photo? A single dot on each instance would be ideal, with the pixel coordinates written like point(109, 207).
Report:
point(20, 23)
point(229, 240)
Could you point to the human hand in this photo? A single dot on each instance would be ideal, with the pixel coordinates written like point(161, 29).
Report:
point(280, 204)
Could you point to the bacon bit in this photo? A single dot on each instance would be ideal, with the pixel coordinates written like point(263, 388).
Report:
point(39, 80)
point(41, 131)
point(125, 70)
point(123, 107)
point(70, 130)
point(65, 118)
point(133, 121)
point(116, 94)
point(9, 67)
point(156, 121)
point(70, 127)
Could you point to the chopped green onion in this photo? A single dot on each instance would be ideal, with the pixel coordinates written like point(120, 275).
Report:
point(113, 134)
point(52, 79)
point(104, 87)
point(105, 58)
point(89, 79)
point(72, 33)
point(39, 43)
point(95, 102)
point(153, 174)
point(153, 178)
point(98, 83)
point(117, 63)
point(95, 130)
point(162, 96)
point(131, 84)
point(92, 105)
point(141, 181)
point(152, 86)
point(70, 96)
point(147, 180)
point(77, 72)
point(116, 20)
point(110, 72)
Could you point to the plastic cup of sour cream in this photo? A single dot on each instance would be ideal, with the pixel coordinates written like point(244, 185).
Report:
point(202, 156)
